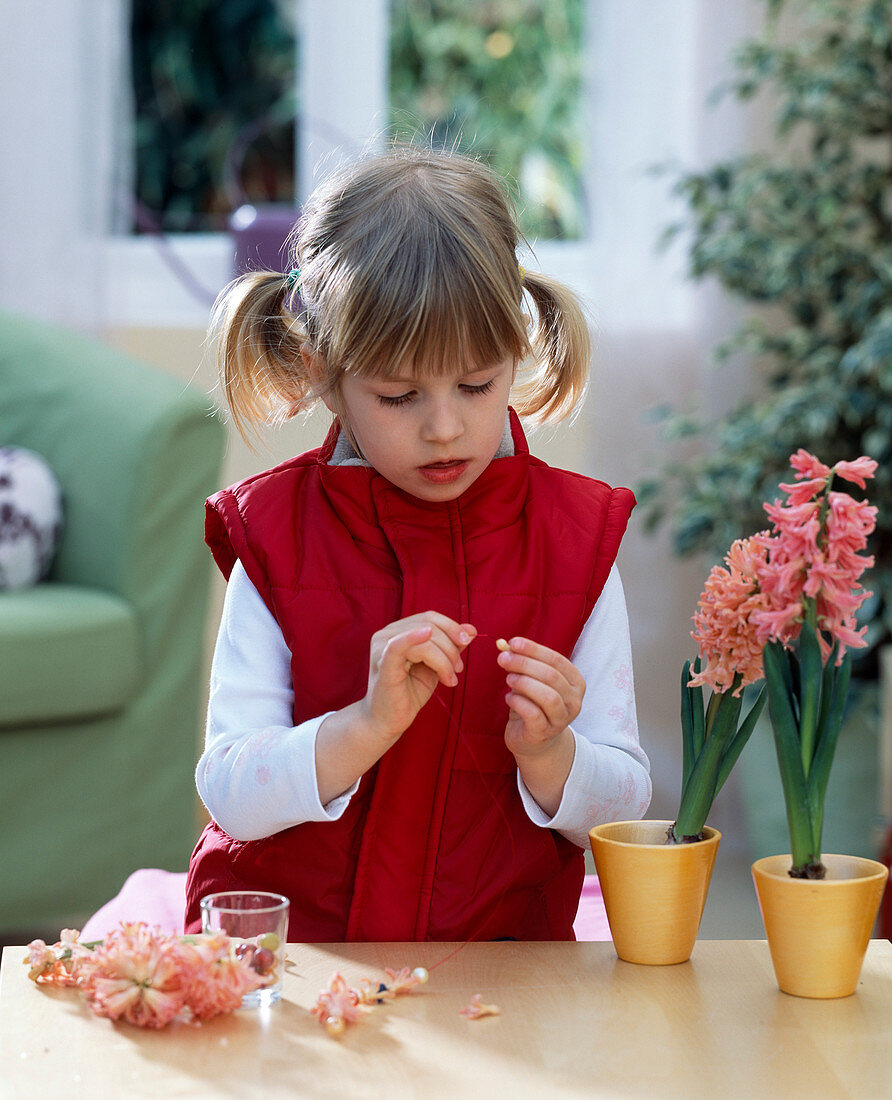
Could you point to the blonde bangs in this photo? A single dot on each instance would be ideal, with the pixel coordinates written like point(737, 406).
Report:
point(425, 275)
point(445, 330)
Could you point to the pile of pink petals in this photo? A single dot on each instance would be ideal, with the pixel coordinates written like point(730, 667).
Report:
point(145, 977)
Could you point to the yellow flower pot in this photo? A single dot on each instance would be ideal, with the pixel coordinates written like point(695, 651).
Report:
point(654, 892)
point(818, 930)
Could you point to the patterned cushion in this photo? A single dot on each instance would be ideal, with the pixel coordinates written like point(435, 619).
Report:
point(30, 517)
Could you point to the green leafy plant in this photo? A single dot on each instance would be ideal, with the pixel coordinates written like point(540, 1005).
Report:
point(504, 79)
point(805, 232)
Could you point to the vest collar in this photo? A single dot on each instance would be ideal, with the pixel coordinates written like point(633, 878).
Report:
point(495, 499)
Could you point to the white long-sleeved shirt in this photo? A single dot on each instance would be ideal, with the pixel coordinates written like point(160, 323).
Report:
point(257, 774)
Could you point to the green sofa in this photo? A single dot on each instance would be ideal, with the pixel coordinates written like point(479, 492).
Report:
point(101, 678)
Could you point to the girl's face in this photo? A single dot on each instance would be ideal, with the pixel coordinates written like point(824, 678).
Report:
point(430, 436)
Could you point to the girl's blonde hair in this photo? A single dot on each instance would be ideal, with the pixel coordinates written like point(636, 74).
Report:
point(407, 263)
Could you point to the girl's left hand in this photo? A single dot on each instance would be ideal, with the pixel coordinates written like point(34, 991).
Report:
point(545, 695)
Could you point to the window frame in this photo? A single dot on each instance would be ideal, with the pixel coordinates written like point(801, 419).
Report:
point(631, 48)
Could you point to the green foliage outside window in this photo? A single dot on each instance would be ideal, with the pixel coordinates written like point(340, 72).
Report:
point(501, 78)
point(214, 92)
point(806, 231)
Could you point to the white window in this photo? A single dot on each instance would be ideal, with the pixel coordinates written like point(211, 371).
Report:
point(69, 252)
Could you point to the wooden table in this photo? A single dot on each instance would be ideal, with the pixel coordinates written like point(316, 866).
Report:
point(575, 1022)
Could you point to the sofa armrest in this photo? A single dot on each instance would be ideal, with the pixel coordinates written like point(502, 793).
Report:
point(133, 449)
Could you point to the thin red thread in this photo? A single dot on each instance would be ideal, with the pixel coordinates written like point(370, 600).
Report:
point(497, 805)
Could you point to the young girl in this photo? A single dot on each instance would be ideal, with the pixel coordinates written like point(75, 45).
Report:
point(372, 752)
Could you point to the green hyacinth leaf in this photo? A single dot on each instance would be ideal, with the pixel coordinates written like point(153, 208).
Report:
point(828, 736)
point(689, 754)
point(698, 710)
point(700, 790)
point(741, 737)
point(789, 758)
point(810, 678)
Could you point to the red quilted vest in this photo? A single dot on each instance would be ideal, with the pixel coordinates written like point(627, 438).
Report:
point(435, 845)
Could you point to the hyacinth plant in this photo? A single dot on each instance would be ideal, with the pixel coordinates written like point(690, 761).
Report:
point(713, 736)
point(784, 607)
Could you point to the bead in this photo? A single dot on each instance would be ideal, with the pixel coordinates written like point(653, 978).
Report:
point(502, 645)
point(334, 1025)
point(421, 974)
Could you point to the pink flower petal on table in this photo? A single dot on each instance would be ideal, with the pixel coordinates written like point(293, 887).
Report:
point(476, 1010)
point(337, 1006)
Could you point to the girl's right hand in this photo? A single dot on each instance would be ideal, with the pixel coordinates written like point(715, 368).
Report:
point(407, 659)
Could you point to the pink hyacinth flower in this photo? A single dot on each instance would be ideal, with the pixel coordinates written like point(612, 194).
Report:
point(724, 624)
point(217, 978)
point(138, 975)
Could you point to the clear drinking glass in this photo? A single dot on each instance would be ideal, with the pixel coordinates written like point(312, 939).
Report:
point(260, 922)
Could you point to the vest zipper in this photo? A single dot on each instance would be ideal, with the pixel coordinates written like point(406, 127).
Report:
point(453, 731)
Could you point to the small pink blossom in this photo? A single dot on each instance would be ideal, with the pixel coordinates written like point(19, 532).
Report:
point(807, 466)
point(858, 471)
point(476, 1010)
point(338, 1005)
point(56, 965)
point(799, 492)
point(42, 960)
point(404, 980)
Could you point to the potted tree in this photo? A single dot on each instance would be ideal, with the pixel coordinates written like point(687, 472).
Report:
point(803, 235)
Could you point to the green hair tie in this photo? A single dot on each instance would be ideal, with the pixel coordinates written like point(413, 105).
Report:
point(293, 278)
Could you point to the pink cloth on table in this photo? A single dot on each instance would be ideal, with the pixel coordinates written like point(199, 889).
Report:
point(151, 895)
point(159, 898)
point(591, 917)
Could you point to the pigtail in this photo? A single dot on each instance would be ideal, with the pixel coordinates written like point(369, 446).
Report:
point(552, 385)
point(258, 340)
